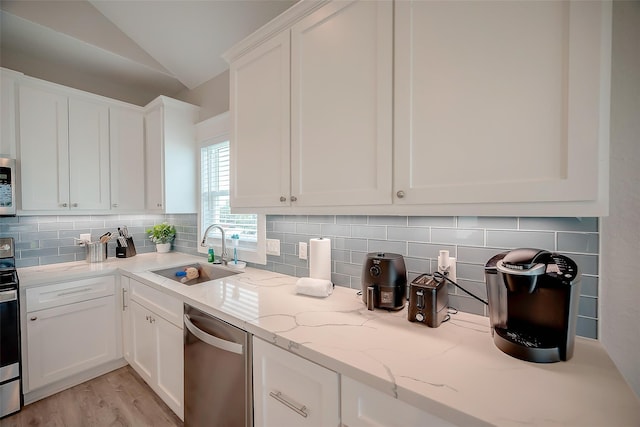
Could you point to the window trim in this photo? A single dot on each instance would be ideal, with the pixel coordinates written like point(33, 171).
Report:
point(212, 131)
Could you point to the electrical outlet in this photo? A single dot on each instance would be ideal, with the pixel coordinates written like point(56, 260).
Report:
point(447, 265)
point(273, 247)
point(302, 250)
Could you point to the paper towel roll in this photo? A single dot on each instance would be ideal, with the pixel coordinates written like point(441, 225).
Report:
point(314, 287)
point(320, 259)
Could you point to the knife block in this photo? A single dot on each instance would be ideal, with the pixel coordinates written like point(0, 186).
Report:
point(126, 251)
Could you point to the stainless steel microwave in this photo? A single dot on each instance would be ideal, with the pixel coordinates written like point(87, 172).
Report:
point(7, 187)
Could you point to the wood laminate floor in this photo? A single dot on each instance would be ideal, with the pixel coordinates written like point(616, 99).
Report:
point(119, 398)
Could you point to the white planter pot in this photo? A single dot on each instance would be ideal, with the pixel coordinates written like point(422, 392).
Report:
point(163, 247)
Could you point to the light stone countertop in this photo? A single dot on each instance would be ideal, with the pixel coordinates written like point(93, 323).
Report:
point(453, 371)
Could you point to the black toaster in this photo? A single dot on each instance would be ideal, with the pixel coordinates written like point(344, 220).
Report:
point(428, 300)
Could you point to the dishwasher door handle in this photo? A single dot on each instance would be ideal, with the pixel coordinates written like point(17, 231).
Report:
point(211, 340)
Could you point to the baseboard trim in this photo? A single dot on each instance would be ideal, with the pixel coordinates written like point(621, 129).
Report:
point(58, 386)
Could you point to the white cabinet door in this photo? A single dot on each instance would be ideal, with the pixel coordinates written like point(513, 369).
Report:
point(341, 111)
point(500, 101)
point(126, 139)
point(44, 149)
point(69, 339)
point(143, 346)
point(154, 161)
point(169, 364)
point(88, 155)
point(170, 156)
point(8, 91)
point(260, 130)
point(157, 343)
point(363, 406)
point(291, 391)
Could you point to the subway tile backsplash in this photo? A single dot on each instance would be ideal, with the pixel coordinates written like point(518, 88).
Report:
point(48, 239)
point(472, 240)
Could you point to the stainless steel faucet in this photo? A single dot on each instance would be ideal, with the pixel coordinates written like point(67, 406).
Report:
point(223, 256)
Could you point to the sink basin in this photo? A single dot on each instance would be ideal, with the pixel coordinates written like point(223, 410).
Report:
point(207, 273)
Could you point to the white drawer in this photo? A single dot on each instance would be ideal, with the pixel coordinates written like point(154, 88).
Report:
point(69, 292)
point(164, 305)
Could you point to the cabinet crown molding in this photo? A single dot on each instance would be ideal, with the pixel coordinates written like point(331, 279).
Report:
point(282, 22)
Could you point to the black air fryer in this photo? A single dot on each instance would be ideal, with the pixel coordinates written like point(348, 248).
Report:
point(533, 304)
point(384, 281)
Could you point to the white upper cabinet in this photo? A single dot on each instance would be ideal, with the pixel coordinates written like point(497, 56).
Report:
point(170, 151)
point(63, 150)
point(502, 103)
point(313, 127)
point(446, 108)
point(127, 158)
point(8, 90)
point(259, 100)
point(341, 112)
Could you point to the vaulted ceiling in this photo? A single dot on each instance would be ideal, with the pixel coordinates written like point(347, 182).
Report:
point(129, 50)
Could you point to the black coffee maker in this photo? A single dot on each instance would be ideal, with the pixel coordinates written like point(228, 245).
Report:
point(533, 304)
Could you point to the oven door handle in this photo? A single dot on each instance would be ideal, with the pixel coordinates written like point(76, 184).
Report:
point(8, 296)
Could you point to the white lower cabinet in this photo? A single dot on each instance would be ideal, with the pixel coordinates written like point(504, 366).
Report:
point(156, 343)
point(363, 406)
point(291, 391)
point(70, 327)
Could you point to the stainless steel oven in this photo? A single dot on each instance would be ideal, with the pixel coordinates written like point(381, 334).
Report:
point(11, 399)
point(7, 187)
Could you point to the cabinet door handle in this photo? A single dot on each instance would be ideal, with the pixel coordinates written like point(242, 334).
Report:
point(294, 199)
point(124, 300)
point(283, 199)
point(64, 205)
point(33, 318)
point(74, 205)
point(289, 403)
point(400, 194)
point(159, 205)
point(115, 205)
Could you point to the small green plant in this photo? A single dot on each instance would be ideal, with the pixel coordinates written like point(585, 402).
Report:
point(162, 233)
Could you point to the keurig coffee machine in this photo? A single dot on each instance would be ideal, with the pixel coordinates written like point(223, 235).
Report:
point(384, 281)
point(533, 303)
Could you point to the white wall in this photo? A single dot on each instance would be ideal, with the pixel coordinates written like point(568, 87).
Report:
point(212, 96)
point(620, 231)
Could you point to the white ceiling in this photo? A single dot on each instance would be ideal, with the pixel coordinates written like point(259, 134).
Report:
point(118, 48)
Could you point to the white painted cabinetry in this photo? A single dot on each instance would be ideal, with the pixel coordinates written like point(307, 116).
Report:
point(363, 406)
point(334, 91)
point(503, 102)
point(497, 108)
point(8, 91)
point(63, 149)
point(291, 391)
point(126, 125)
point(170, 163)
point(341, 111)
point(260, 159)
point(70, 328)
point(156, 351)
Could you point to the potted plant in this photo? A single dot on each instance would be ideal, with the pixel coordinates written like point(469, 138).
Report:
point(162, 235)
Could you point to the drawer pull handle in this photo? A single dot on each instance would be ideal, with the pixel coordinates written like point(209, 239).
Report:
point(75, 291)
point(302, 411)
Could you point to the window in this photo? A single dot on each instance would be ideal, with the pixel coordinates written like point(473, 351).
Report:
point(214, 197)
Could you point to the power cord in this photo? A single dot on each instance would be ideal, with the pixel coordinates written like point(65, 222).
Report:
point(439, 275)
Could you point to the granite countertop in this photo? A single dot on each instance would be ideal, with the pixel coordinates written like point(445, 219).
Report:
point(453, 371)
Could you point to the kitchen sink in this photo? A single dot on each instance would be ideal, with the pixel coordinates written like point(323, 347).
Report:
point(207, 273)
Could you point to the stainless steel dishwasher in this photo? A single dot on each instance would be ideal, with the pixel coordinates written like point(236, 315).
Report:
point(217, 372)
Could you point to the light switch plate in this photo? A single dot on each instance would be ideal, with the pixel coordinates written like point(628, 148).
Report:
point(273, 247)
point(302, 250)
